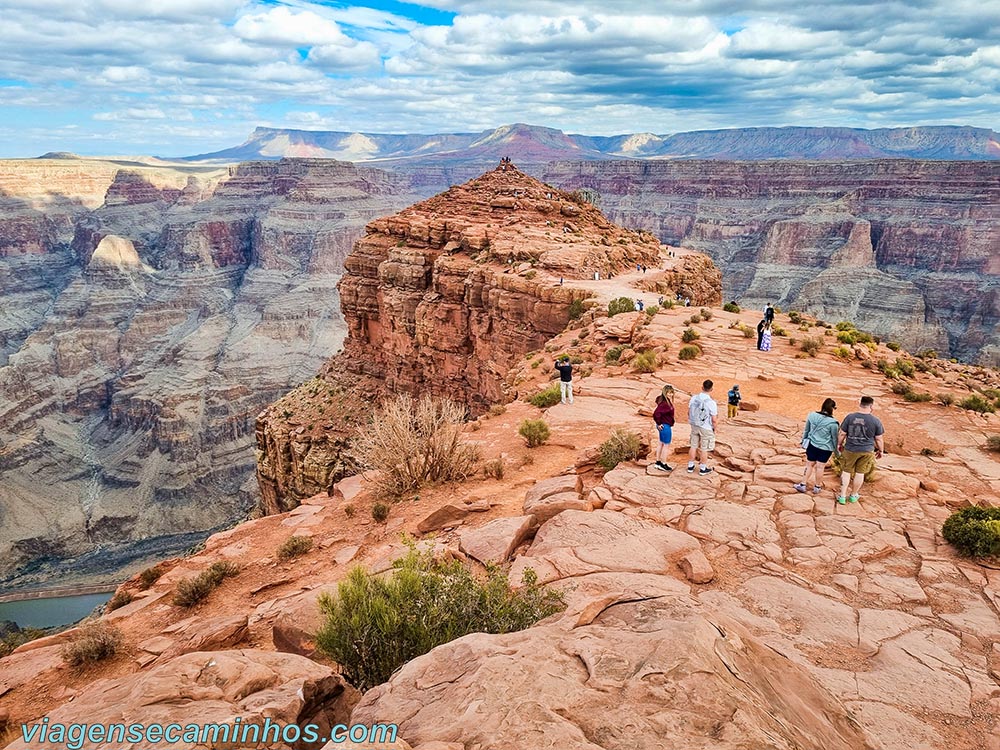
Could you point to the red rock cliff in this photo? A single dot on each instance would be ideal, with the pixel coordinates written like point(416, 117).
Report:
point(442, 298)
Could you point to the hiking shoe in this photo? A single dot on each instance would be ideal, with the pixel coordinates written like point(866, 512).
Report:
point(691, 469)
point(841, 500)
point(853, 498)
point(799, 487)
point(706, 470)
point(816, 489)
point(665, 467)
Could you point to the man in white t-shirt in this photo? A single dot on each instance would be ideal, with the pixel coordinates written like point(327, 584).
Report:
point(703, 415)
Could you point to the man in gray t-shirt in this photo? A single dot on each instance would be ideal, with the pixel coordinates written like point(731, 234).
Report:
point(860, 443)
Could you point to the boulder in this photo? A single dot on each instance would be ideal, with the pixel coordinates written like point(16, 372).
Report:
point(696, 567)
point(545, 508)
point(494, 542)
point(445, 516)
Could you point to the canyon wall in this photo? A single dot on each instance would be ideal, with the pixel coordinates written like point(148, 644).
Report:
point(442, 299)
point(146, 333)
point(907, 249)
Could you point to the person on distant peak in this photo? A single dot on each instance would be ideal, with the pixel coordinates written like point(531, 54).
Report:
point(565, 369)
point(663, 417)
point(861, 442)
point(703, 415)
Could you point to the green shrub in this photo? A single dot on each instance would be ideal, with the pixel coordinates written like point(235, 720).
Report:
point(294, 546)
point(690, 335)
point(863, 338)
point(731, 307)
point(974, 531)
point(494, 469)
point(546, 398)
point(576, 309)
point(690, 351)
point(349, 510)
point(18, 638)
point(945, 399)
point(748, 331)
point(893, 346)
point(190, 591)
point(795, 317)
point(845, 325)
point(847, 337)
point(692, 320)
point(976, 402)
point(842, 352)
point(614, 354)
point(149, 576)
point(497, 409)
point(917, 397)
point(645, 362)
point(620, 305)
point(906, 367)
point(928, 354)
point(95, 642)
point(993, 443)
point(377, 623)
point(623, 445)
point(705, 313)
point(380, 512)
point(120, 599)
point(412, 442)
point(778, 330)
point(652, 310)
point(900, 388)
point(812, 345)
point(534, 431)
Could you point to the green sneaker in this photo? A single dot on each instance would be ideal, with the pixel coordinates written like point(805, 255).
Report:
point(841, 499)
point(853, 498)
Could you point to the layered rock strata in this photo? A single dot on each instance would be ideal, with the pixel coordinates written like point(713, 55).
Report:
point(907, 249)
point(181, 308)
point(442, 299)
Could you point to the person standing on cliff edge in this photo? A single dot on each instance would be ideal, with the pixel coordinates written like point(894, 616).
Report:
point(565, 380)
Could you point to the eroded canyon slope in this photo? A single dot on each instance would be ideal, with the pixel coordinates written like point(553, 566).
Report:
point(908, 249)
point(149, 314)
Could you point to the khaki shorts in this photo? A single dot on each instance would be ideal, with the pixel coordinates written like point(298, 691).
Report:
point(857, 463)
point(702, 437)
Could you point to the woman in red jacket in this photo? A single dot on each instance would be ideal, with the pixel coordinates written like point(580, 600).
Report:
point(663, 416)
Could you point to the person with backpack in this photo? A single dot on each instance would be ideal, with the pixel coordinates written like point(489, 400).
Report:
point(565, 369)
point(819, 439)
point(769, 314)
point(663, 417)
point(734, 398)
point(703, 415)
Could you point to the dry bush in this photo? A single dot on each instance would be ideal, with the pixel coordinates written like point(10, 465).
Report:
point(120, 599)
point(811, 345)
point(497, 409)
point(494, 469)
point(413, 443)
point(380, 512)
point(534, 431)
point(623, 445)
point(691, 351)
point(94, 642)
point(294, 546)
point(645, 362)
point(190, 591)
point(149, 576)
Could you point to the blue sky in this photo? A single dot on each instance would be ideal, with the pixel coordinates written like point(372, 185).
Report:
point(172, 77)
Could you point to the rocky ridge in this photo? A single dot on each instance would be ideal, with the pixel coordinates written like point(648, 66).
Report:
point(907, 249)
point(149, 328)
point(442, 299)
point(725, 611)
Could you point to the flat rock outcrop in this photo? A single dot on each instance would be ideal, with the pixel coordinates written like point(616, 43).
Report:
point(905, 249)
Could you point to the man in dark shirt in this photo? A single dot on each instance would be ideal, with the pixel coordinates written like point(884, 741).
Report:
point(760, 333)
point(769, 313)
point(565, 379)
point(861, 442)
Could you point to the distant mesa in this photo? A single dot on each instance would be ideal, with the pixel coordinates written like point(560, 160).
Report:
point(59, 155)
point(533, 144)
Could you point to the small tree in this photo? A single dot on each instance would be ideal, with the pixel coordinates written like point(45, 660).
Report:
point(534, 431)
point(620, 305)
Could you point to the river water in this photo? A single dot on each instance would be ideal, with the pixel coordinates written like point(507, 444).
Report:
point(57, 610)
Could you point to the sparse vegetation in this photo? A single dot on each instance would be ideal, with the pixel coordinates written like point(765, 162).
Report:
point(190, 591)
point(705, 313)
point(945, 399)
point(731, 307)
point(690, 351)
point(620, 305)
point(795, 317)
point(18, 638)
point(778, 330)
point(120, 599)
point(494, 469)
point(977, 403)
point(812, 345)
point(95, 642)
point(645, 362)
point(149, 576)
point(614, 354)
point(917, 396)
point(692, 320)
point(377, 623)
point(690, 335)
point(993, 443)
point(380, 512)
point(906, 367)
point(497, 409)
point(294, 546)
point(349, 510)
point(416, 442)
point(842, 352)
point(550, 396)
point(576, 309)
point(652, 310)
point(534, 431)
point(623, 445)
point(893, 346)
point(974, 531)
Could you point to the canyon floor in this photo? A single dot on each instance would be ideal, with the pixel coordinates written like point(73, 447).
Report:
point(725, 611)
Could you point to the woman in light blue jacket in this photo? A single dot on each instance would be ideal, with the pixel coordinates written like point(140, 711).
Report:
point(819, 438)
